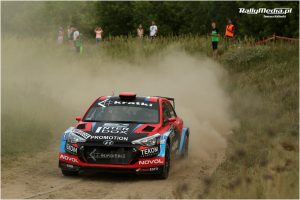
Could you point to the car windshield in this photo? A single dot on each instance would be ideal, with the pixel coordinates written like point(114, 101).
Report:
point(123, 113)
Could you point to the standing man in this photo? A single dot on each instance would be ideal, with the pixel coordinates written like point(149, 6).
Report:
point(153, 30)
point(77, 40)
point(229, 32)
point(215, 39)
point(75, 34)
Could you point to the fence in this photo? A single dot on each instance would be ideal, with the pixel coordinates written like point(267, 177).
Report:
point(282, 38)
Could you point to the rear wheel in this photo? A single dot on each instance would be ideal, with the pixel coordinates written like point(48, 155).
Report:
point(166, 168)
point(69, 173)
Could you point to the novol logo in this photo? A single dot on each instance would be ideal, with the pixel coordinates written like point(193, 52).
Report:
point(108, 142)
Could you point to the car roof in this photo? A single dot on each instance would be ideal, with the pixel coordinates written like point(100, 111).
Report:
point(130, 96)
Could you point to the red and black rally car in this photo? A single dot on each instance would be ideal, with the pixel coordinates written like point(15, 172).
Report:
point(125, 133)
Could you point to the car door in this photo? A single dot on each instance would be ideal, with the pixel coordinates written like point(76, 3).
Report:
point(178, 124)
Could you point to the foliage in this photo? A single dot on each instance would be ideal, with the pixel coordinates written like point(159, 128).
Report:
point(122, 18)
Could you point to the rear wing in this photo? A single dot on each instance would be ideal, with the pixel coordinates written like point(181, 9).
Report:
point(170, 99)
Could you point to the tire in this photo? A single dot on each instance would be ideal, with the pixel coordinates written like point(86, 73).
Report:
point(69, 173)
point(166, 168)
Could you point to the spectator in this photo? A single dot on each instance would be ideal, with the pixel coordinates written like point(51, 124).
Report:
point(215, 39)
point(75, 34)
point(230, 29)
point(70, 35)
point(98, 32)
point(140, 31)
point(153, 30)
point(60, 37)
point(229, 34)
point(78, 44)
point(76, 39)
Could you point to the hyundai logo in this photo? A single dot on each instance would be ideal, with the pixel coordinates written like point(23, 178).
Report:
point(108, 142)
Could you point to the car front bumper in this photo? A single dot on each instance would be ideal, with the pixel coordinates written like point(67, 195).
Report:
point(142, 165)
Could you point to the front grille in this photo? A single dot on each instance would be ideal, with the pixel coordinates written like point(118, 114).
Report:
point(109, 155)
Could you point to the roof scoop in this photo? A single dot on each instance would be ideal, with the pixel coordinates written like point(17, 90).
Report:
point(127, 96)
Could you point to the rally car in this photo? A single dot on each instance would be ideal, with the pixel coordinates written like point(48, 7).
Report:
point(125, 133)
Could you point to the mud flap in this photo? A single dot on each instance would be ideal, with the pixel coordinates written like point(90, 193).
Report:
point(182, 143)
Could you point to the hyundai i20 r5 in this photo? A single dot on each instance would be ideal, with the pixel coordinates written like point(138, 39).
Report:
point(125, 133)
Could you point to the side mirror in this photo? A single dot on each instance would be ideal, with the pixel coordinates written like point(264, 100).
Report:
point(78, 118)
point(172, 119)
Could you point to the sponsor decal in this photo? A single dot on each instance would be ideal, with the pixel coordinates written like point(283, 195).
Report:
point(132, 103)
point(150, 162)
point(81, 133)
point(115, 125)
point(70, 166)
point(98, 155)
point(108, 102)
point(106, 137)
point(112, 129)
point(71, 148)
point(68, 158)
point(151, 169)
point(102, 103)
point(268, 13)
point(149, 151)
point(108, 142)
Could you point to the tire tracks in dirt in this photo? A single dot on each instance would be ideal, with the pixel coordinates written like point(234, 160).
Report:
point(39, 177)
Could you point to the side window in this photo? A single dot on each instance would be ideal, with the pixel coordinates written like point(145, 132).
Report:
point(171, 110)
point(166, 113)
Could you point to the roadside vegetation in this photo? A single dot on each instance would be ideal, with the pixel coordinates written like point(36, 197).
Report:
point(262, 159)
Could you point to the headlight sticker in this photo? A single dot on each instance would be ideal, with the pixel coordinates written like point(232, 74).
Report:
point(80, 133)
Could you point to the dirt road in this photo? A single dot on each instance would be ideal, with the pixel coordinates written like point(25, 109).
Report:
point(205, 109)
point(39, 177)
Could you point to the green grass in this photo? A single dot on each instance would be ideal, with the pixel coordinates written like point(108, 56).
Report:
point(262, 154)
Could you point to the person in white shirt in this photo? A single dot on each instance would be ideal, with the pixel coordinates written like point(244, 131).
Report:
point(153, 30)
point(75, 34)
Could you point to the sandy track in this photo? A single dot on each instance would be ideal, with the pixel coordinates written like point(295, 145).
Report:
point(206, 112)
point(40, 177)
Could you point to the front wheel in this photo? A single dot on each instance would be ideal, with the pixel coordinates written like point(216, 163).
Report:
point(166, 168)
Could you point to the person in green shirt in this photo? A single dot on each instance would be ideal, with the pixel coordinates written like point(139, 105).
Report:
point(78, 44)
point(215, 35)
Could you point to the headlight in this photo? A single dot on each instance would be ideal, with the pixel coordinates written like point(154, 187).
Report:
point(73, 138)
point(147, 141)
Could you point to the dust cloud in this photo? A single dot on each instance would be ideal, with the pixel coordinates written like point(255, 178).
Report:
point(72, 83)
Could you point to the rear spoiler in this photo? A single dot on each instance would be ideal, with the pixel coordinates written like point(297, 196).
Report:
point(170, 99)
